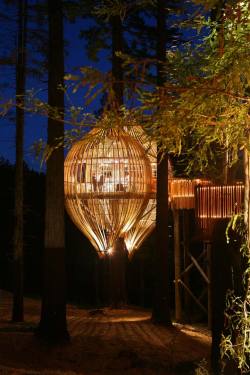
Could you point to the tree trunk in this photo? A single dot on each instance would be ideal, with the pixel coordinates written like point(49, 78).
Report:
point(161, 304)
point(117, 70)
point(96, 282)
point(118, 271)
point(17, 309)
point(220, 283)
point(118, 258)
point(53, 324)
point(218, 286)
point(177, 264)
point(186, 263)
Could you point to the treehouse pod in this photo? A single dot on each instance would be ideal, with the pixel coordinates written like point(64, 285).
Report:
point(107, 185)
point(145, 225)
point(142, 228)
point(216, 202)
point(150, 148)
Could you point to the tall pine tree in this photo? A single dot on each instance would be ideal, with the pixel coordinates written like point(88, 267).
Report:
point(53, 324)
point(17, 311)
point(161, 301)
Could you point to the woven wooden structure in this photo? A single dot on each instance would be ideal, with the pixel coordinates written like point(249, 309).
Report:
point(182, 192)
point(142, 229)
point(150, 148)
point(108, 182)
point(217, 202)
point(145, 225)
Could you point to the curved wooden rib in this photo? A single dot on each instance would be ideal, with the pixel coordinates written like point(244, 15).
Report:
point(142, 228)
point(107, 185)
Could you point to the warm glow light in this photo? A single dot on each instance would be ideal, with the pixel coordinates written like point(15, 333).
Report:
point(217, 202)
point(182, 192)
point(108, 183)
point(142, 228)
point(137, 234)
point(110, 251)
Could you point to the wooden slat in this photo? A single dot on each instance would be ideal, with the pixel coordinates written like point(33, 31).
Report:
point(182, 192)
point(108, 184)
point(217, 202)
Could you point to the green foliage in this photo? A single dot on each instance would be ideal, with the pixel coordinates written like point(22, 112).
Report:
point(80, 128)
point(210, 102)
point(137, 18)
point(235, 343)
point(109, 8)
point(202, 368)
point(208, 4)
point(208, 91)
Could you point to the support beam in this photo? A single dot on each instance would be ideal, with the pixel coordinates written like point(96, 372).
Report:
point(186, 261)
point(193, 296)
point(209, 289)
point(202, 272)
point(177, 258)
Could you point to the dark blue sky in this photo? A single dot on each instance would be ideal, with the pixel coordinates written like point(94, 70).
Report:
point(36, 126)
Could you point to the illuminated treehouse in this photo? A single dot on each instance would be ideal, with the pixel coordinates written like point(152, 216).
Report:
point(98, 167)
point(210, 203)
point(110, 193)
point(145, 225)
point(108, 184)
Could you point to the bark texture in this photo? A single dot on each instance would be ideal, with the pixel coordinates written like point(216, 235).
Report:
point(118, 271)
point(17, 308)
point(53, 324)
point(118, 259)
point(161, 304)
point(117, 70)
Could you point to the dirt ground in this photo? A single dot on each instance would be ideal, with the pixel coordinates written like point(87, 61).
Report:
point(107, 342)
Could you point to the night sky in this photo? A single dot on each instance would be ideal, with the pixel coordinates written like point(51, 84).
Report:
point(36, 126)
point(75, 57)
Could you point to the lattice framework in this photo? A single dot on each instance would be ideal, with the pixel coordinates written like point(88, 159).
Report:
point(182, 192)
point(217, 202)
point(107, 185)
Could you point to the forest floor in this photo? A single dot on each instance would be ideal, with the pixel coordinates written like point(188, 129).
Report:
point(106, 342)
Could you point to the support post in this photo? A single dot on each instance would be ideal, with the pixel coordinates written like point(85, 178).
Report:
point(177, 258)
point(187, 261)
point(209, 289)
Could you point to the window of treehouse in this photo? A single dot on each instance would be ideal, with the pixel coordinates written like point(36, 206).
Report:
point(108, 175)
point(80, 172)
point(154, 176)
